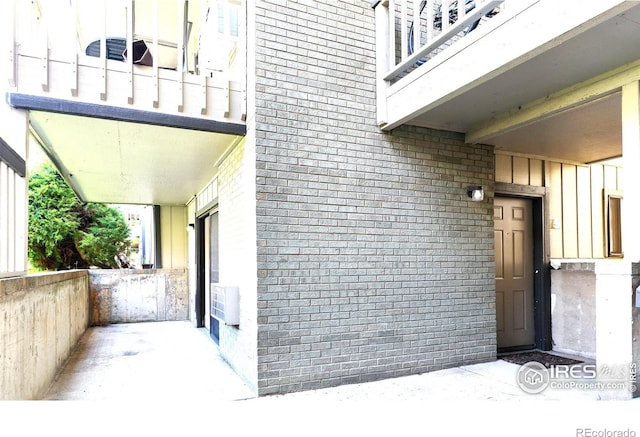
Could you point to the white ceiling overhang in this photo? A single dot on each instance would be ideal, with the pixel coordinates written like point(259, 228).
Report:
point(583, 132)
point(117, 161)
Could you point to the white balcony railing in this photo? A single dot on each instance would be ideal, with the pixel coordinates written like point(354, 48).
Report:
point(409, 33)
point(184, 61)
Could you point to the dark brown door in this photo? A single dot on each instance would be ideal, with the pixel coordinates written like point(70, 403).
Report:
point(514, 272)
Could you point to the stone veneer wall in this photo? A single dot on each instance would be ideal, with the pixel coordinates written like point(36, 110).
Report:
point(372, 260)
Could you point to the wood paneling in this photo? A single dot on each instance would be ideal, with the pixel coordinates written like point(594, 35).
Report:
point(597, 211)
point(536, 175)
point(575, 200)
point(520, 170)
point(583, 194)
point(569, 211)
point(555, 209)
point(504, 169)
point(610, 178)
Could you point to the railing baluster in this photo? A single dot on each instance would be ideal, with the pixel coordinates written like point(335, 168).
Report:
point(129, 13)
point(392, 34)
point(430, 23)
point(461, 9)
point(227, 100)
point(416, 25)
point(103, 53)
point(203, 84)
point(12, 46)
point(21, 214)
point(156, 90)
point(433, 40)
point(45, 51)
point(4, 218)
point(73, 65)
point(180, 51)
point(403, 30)
point(11, 220)
point(444, 9)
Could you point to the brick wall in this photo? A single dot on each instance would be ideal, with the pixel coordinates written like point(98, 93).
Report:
point(237, 245)
point(372, 262)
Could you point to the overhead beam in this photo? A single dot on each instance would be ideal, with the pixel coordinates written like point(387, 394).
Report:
point(12, 159)
point(577, 95)
point(35, 103)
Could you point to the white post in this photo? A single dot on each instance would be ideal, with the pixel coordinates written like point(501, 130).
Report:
point(416, 25)
point(631, 209)
point(8, 32)
point(73, 30)
point(631, 178)
point(154, 74)
point(103, 51)
point(615, 279)
point(403, 30)
point(383, 57)
point(181, 19)
point(129, 10)
point(614, 327)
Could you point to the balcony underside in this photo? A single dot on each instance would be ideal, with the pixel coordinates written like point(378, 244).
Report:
point(144, 140)
point(516, 84)
point(116, 161)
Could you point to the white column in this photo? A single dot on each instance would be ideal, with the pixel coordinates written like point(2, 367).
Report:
point(631, 209)
point(615, 279)
point(631, 175)
point(614, 343)
point(384, 56)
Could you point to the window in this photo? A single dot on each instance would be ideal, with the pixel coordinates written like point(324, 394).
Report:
point(228, 18)
point(613, 202)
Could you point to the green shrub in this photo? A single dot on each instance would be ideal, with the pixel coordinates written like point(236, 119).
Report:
point(65, 233)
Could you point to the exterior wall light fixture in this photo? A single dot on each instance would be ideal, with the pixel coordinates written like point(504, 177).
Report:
point(476, 193)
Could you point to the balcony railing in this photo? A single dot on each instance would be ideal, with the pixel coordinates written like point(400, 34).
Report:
point(171, 56)
point(410, 34)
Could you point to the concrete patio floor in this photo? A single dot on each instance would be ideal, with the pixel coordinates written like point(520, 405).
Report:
point(173, 361)
point(169, 379)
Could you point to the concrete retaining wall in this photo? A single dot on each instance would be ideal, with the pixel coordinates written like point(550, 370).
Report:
point(42, 317)
point(127, 296)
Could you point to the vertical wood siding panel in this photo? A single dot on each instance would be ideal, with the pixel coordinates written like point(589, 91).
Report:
point(610, 178)
point(620, 179)
point(569, 212)
point(520, 170)
point(536, 173)
point(597, 210)
point(584, 212)
point(504, 169)
point(555, 208)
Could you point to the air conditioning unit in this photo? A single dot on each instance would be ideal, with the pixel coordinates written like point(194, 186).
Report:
point(225, 304)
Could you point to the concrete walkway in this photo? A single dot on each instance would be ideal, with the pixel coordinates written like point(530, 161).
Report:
point(147, 361)
point(172, 361)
